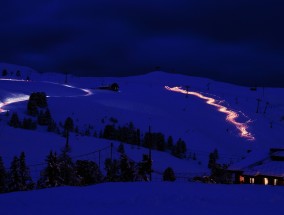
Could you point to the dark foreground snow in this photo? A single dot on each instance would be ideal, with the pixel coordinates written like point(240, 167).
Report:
point(147, 198)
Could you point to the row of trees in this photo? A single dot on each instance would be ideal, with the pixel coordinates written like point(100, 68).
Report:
point(62, 170)
point(37, 109)
point(5, 73)
point(155, 140)
point(219, 173)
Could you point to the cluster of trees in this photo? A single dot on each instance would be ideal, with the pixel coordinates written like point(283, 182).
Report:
point(5, 73)
point(62, 170)
point(155, 140)
point(218, 171)
point(36, 100)
point(37, 109)
point(17, 178)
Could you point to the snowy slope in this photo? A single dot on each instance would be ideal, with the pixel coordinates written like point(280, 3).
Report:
point(144, 101)
point(147, 198)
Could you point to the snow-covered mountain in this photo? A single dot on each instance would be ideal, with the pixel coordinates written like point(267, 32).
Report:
point(144, 101)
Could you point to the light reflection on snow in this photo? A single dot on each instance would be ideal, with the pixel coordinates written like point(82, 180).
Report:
point(231, 115)
point(14, 99)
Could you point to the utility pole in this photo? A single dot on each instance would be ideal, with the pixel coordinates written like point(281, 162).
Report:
point(100, 159)
point(65, 77)
point(258, 102)
point(266, 105)
point(150, 153)
point(187, 88)
point(111, 146)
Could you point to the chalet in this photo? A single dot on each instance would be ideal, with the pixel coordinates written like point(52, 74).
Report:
point(113, 87)
point(267, 170)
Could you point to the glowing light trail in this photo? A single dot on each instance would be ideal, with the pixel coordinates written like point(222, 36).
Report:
point(11, 100)
point(21, 97)
point(231, 115)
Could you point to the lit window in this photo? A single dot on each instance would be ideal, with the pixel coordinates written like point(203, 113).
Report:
point(251, 180)
point(275, 180)
point(242, 179)
point(266, 181)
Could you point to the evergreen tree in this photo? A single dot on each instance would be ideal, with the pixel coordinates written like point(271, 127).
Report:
point(15, 121)
point(179, 149)
point(144, 168)
point(4, 72)
point(88, 172)
point(112, 170)
point(50, 176)
point(19, 175)
point(26, 180)
point(170, 143)
point(51, 127)
point(14, 182)
point(29, 124)
point(213, 156)
point(18, 73)
point(69, 125)
point(155, 141)
point(3, 177)
point(169, 174)
point(67, 167)
point(44, 118)
point(32, 107)
point(120, 148)
point(110, 132)
point(126, 169)
point(159, 140)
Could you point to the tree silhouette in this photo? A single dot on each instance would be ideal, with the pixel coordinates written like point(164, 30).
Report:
point(169, 175)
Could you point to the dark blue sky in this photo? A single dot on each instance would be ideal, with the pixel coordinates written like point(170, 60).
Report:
point(226, 40)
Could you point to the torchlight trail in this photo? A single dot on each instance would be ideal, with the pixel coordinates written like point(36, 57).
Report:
point(231, 115)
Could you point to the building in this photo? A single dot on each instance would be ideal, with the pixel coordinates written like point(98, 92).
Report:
point(267, 170)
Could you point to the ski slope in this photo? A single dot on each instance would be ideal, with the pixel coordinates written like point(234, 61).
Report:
point(144, 101)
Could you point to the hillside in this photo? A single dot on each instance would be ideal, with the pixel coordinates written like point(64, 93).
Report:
point(143, 101)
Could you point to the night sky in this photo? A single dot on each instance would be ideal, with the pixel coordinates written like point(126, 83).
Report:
point(237, 41)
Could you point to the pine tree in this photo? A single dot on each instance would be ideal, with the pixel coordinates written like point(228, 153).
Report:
point(69, 125)
point(19, 176)
point(32, 107)
point(67, 167)
point(169, 174)
point(51, 127)
point(26, 180)
point(88, 172)
point(29, 124)
point(112, 170)
point(18, 73)
point(126, 169)
point(179, 149)
point(144, 168)
point(4, 72)
point(170, 143)
point(213, 157)
point(14, 182)
point(3, 177)
point(15, 121)
point(120, 148)
point(50, 176)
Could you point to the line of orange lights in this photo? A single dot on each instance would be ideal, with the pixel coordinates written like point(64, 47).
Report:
point(231, 115)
